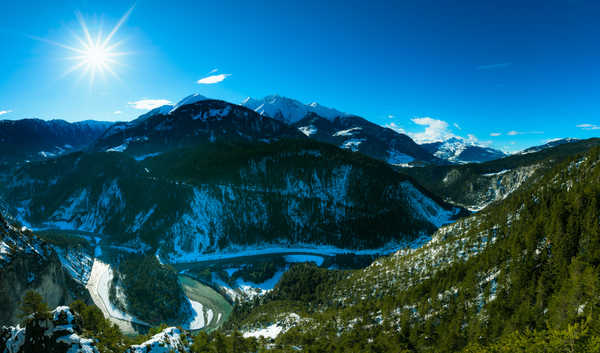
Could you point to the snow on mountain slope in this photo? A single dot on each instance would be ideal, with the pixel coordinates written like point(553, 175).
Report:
point(192, 121)
point(549, 144)
point(191, 99)
point(287, 195)
point(169, 340)
point(288, 110)
point(360, 135)
point(459, 150)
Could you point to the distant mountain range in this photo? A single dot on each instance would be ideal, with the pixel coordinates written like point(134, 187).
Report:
point(549, 144)
point(33, 139)
point(289, 110)
point(343, 130)
point(193, 121)
point(197, 119)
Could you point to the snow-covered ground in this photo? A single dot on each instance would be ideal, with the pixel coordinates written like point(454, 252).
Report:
point(99, 287)
point(273, 330)
point(504, 171)
point(251, 289)
point(197, 320)
point(169, 340)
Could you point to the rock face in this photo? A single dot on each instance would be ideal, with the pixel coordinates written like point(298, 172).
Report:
point(28, 263)
point(58, 333)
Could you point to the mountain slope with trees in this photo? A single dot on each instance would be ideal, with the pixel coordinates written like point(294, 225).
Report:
point(521, 275)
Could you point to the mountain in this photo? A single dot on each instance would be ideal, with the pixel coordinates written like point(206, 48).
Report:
point(220, 198)
point(34, 139)
point(29, 263)
point(195, 120)
point(360, 135)
point(549, 144)
point(476, 185)
point(520, 276)
point(289, 110)
point(343, 130)
point(458, 150)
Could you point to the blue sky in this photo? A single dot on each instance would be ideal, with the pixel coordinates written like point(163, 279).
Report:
point(506, 73)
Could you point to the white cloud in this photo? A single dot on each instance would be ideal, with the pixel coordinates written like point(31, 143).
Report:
point(2, 112)
point(495, 134)
point(435, 130)
point(588, 127)
point(493, 66)
point(512, 133)
point(148, 104)
point(212, 71)
point(209, 80)
point(395, 127)
point(118, 112)
point(391, 116)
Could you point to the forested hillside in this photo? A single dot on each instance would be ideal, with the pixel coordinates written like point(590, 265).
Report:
point(520, 276)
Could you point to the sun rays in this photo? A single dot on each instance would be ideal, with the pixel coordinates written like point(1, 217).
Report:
point(93, 54)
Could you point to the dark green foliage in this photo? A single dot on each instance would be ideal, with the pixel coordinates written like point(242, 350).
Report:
point(305, 282)
point(33, 303)
point(546, 296)
point(337, 197)
point(258, 271)
point(217, 342)
point(153, 291)
point(108, 336)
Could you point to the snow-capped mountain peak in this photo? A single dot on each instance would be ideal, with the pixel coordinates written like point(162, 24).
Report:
point(288, 110)
point(191, 99)
point(459, 150)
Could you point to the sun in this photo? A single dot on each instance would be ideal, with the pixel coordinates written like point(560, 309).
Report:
point(94, 54)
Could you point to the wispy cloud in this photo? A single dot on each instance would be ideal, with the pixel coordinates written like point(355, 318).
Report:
point(494, 66)
point(2, 112)
point(515, 133)
point(391, 116)
point(209, 80)
point(148, 104)
point(588, 127)
point(457, 126)
point(118, 112)
point(212, 71)
point(495, 134)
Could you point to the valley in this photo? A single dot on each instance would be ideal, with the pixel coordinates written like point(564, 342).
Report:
point(238, 226)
